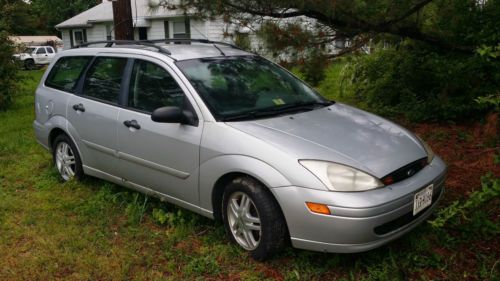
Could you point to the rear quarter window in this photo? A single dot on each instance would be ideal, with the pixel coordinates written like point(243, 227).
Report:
point(66, 72)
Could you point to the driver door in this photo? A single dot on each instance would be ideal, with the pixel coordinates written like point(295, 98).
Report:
point(40, 56)
point(159, 156)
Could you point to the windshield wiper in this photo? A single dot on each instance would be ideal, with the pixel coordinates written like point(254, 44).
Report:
point(300, 106)
point(266, 112)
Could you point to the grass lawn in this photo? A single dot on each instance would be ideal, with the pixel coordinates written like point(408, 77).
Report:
point(95, 230)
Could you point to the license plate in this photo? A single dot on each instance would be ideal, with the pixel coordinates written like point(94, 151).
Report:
point(422, 199)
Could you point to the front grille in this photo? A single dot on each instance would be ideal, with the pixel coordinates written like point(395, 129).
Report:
point(405, 172)
point(404, 219)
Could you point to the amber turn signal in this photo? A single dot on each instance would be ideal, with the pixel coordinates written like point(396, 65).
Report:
point(318, 208)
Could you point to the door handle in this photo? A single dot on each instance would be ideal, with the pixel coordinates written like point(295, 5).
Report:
point(132, 123)
point(79, 107)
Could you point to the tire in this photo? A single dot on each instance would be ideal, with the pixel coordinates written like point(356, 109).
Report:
point(29, 64)
point(66, 158)
point(264, 238)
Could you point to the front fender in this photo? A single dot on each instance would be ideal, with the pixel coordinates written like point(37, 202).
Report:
point(213, 169)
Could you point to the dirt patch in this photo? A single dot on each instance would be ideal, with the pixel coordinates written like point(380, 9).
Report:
point(469, 151)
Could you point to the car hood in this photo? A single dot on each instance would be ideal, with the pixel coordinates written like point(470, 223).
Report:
point(21, 55)
point(341, 134)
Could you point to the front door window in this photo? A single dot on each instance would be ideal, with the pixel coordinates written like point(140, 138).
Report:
point(152, 87)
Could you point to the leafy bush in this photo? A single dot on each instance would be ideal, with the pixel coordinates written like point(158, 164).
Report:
point(421, 83)
point(470, 215)
point(8, 68)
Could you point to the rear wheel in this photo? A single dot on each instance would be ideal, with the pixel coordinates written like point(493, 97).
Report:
point(253, 219)
point(66, 159)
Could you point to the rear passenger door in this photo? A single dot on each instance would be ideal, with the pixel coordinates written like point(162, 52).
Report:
point(160, 156)
point(94, 110)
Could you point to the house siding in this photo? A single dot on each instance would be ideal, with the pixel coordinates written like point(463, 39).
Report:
point(215, 30)
point(157, 29)
point(212, 30)
point(96, 33)
point(198, 29)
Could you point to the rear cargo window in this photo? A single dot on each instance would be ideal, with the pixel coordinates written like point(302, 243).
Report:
point(65, 73)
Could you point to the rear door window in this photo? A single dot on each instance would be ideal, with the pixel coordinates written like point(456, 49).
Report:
point(41, 51)
point(104, 78)
point(66, 72)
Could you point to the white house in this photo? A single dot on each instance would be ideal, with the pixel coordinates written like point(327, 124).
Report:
point(96, 24)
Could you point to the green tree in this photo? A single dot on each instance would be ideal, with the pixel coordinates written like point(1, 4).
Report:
point(22, 20)
point(8, 69)
point(429, 61)
point(52, 12)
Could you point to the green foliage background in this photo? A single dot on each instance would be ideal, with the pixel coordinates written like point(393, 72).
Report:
point(432, 66)
point(421, 84)
point(8, 69)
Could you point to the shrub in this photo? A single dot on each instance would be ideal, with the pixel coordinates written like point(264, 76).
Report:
point(8, 68)
point(469, 215)
point(421, 83)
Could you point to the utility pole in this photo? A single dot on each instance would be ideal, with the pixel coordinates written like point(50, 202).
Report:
point(122, 20)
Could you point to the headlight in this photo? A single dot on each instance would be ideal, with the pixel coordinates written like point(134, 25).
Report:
point(428, 150)
point(339, 177)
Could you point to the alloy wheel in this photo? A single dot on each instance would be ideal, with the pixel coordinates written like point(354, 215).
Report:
point(65, 161)
point(244, 220)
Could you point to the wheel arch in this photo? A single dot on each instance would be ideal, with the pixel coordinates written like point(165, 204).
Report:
point(56, 131)
point(218, 172)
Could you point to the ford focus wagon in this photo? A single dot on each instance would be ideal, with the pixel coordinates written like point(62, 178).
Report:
point(234, 137)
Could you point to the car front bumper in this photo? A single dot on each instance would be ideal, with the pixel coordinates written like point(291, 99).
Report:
point(359, 221)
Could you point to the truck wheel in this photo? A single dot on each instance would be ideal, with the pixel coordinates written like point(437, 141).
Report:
point(29, 64)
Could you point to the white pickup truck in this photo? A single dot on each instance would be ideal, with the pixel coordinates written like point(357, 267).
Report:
point(35, 56)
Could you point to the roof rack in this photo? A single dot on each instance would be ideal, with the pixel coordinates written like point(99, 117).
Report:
point(186, 40)
point(110, 43)
point(151, 44)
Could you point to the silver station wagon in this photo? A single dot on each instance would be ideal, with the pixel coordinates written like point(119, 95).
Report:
point(234, 137)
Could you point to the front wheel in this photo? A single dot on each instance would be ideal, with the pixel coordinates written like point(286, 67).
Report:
point(29, 64)
point(66, 158)
point(253, 219)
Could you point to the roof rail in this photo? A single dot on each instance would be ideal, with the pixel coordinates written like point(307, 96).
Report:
point(151, 44)
point(187, 40)
point(110, 43)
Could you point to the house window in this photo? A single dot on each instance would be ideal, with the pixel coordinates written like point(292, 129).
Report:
point(181, 29)
point(340, 43)
point(79, 37)
point(143, 33)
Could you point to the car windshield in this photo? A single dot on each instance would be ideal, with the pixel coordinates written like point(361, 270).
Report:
point(248, 87)
point(29, 50)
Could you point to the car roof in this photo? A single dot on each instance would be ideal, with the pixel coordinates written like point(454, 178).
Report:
point(176, 52)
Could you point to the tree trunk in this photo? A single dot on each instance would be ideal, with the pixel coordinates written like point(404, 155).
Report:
point(122, 19)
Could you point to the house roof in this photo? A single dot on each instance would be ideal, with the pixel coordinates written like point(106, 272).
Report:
point(103, 12)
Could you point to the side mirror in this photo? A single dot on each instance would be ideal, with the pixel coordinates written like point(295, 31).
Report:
point(173, 114)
